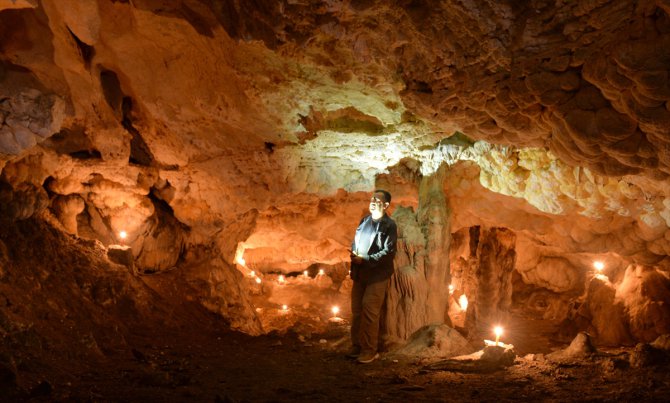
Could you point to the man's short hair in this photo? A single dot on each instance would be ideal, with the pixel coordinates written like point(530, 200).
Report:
point(387, 195)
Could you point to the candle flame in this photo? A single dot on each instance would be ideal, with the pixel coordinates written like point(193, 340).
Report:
point(599, 265)
point(123, 234)
point(305, 273)
point(336, 310)
point(463, 302)
point(281, 278)
point(497, 331)
point(322, 272)
point(258, 280)
point(239, 255)
point(284, 307)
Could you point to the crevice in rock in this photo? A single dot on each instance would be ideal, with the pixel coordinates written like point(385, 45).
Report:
point(233, 18)
point(7, 66)
point(163, 246)
point(140, 153)
point(86, 154)
point(85, 50)
point(92, 225)
point(164, 206)
point(47, 186)
point(197, 21)
point(111, 89)
point(474, 240)
point(458, 139)
point(420, 87)
point(345, 120)
point(73, 142)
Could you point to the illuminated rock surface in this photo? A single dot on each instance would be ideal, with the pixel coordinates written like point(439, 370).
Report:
point(521, 145)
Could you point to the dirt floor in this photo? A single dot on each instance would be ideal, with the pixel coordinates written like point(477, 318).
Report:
point(233, 367)
point(71, 333)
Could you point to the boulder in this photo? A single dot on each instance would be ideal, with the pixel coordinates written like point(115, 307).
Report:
point(435, 341)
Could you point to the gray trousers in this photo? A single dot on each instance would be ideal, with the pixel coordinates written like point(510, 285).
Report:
point(366, 305)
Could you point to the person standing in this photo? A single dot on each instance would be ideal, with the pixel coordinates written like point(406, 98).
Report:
point(372, 253)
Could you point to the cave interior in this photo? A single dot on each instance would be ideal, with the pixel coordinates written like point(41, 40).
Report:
point(180, 183)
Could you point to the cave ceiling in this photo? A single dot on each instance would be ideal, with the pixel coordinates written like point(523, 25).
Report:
point(262, 117)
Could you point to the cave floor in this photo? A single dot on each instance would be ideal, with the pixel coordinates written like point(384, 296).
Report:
point(224, 366)
point(75, 328)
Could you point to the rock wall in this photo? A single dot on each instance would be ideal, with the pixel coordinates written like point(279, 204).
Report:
point(203, 129)
point(489, 288)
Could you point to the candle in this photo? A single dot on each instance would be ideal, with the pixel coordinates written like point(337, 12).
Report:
point(498, 331)
point(463, 302)
point(598, 265)
point(335, 319)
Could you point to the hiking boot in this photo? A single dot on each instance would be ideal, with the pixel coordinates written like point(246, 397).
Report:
point(367, 357)
point(354, 352)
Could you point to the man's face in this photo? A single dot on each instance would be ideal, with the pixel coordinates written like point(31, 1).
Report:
point(377, 203)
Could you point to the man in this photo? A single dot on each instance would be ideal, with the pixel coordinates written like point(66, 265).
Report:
point(372, 255)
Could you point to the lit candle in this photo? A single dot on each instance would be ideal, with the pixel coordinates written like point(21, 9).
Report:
point(497, 331)
point(335, 310)
point(463, 302)
point(123, 234)
point(598, 265)
point(284, 307)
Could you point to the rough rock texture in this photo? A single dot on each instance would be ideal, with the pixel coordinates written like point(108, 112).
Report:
point(606, 313)
point(580, 347)
point(122, 255)
point(489, 359)
point(435, 341)
point(489, 287)
point(217, 131)
point(416, 295)
point(645, 293)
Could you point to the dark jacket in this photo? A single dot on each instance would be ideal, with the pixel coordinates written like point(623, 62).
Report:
point(378, 261)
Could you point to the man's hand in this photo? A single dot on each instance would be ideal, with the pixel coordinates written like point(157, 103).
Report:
point(355, 259)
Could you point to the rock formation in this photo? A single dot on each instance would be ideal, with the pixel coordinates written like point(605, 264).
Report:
point(521, 144)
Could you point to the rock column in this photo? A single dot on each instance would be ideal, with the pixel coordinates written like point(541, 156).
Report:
point(418, 292)
point(490, 282)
